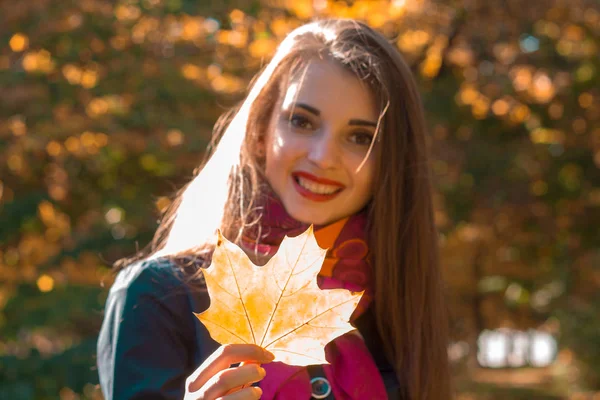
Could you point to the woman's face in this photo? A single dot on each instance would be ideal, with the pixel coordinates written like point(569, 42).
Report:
point(318, 137)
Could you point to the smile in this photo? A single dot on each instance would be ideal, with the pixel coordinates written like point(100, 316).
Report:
point(314, 188)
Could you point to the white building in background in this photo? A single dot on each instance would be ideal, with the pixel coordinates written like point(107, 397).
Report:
point(508, 348)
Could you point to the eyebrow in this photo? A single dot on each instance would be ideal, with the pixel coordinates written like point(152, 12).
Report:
point(354, 122)
point(308, 108)
point(362, 122)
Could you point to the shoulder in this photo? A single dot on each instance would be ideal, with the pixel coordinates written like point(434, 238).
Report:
point(154, 297)
point(158, 275)
point(158, 282)
point(150, 340)
point(161, 271)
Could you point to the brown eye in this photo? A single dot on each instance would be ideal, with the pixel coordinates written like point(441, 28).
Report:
point(362, 138)
point(300, 121)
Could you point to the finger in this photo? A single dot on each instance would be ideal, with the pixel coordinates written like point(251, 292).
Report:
point(232, 380)
point(249, 383)
point(251, 393)
point(222, 358)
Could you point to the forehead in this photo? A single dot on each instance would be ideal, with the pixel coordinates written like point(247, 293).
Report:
point(333, 90)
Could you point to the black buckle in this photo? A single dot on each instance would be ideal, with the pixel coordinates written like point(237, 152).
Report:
point(320, 385)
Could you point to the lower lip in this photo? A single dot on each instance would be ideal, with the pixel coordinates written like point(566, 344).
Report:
point(313, 196)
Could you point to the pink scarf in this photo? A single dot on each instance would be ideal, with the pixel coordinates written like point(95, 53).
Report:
point(352, 372)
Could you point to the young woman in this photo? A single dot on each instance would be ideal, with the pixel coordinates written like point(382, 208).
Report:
point(332, 133)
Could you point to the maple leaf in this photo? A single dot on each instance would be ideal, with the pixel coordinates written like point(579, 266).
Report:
point(277, 306)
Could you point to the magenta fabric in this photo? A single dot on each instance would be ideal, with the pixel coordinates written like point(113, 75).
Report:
point(352, 372)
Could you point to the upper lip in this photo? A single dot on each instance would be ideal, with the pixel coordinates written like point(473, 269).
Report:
point(324, 181)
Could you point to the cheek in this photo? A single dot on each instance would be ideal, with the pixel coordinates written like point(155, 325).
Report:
point(365, 179)
point(282, 148)
point(273, 150)
point(367, 186)
point(278, 157)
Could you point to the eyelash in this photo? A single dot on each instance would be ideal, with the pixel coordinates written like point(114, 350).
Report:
point(366, 135)
point(297, 121)
point(295, 117)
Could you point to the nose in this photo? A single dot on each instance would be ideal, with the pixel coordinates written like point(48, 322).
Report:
point(324, 150)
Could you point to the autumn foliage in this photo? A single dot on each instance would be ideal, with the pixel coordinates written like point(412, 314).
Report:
point(107, 107)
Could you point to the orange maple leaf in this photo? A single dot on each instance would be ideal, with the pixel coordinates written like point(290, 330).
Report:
point(278, 306)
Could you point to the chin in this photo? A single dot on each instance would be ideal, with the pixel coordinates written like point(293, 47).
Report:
point(309, 219)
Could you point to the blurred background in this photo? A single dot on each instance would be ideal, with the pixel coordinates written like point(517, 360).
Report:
point(106, 108)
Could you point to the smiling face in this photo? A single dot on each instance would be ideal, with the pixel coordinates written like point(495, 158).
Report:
point(319, 135)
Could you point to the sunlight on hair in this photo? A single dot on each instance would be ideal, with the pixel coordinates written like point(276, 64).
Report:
point(209, 190)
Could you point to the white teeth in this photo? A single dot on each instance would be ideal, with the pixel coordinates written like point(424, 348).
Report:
point(317, 188)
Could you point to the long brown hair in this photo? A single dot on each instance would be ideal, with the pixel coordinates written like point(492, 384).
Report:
point(409, 308)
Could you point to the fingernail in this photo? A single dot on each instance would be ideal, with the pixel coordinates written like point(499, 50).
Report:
point(269, 356)
point(262, 372)
point(257, 390)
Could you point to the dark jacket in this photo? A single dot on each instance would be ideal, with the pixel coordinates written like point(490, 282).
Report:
point(150, 341)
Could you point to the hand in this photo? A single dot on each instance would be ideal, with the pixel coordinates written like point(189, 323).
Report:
point(215, 380)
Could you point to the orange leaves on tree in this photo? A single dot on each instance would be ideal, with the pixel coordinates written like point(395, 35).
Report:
point(277, 306)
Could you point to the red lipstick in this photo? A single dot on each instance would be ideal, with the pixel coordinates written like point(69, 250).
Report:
point(311, 195)
point(316, 179)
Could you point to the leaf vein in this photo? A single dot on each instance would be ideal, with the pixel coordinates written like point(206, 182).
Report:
point(240, 295)
point(284, 286)
point(308, 321)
